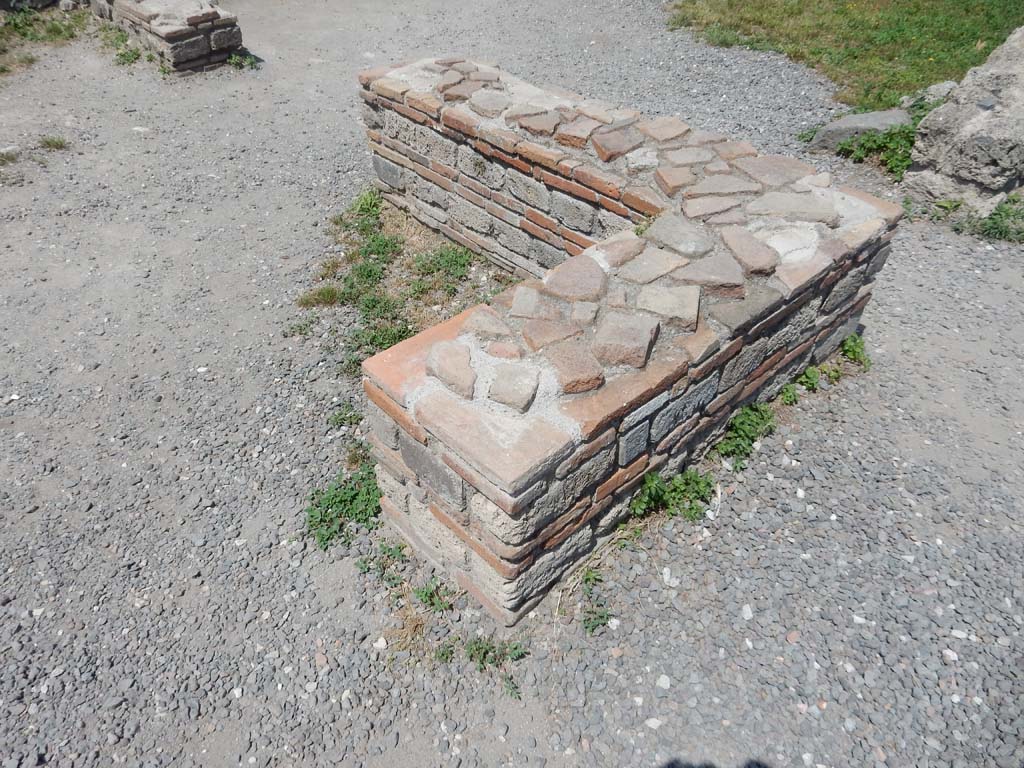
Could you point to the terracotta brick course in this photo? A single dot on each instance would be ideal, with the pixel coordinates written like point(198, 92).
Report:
point(507, 487)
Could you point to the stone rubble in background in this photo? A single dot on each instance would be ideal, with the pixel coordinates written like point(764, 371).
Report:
point(184, 34)
point(972, 147)
point(511, 437)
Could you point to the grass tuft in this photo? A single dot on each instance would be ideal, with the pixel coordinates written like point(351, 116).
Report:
point(54, 143)
point(875, 51)
point(1006, 222)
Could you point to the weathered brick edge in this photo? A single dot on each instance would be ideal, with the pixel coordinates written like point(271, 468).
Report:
point(508, 550)
point(519, 203)
point(184, 38)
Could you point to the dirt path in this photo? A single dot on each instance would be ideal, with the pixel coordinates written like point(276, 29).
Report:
point(159, 436)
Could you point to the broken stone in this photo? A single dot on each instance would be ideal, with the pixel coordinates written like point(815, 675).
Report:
point(576, 279)
point(486, 323)
point(718, 166)
point(730, 150)
point(736, 315)
point(617, 250)
point(642, 159)
point(673, 178)
point(679, 303)
point(539, 333)
point(529, 302)
point(514, 386)
point(625, 339)
point(719, 273)
point(543, 124)
point(610, 144)
point(690, 156)
point(702, 207)
point(584, 312)
point(754, 256)
point(462, 91)
point(774, 170)
point(676, 233)
point(663, 129)
point(795, 206)
point(505, 349)
point(650, 265)
point(576, 133)
point(576, 368)
point(488, 102)
point(450, 362)
point(722, 185)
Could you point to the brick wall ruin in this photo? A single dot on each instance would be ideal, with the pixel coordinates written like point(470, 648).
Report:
point(511, 437)
point(183, 34)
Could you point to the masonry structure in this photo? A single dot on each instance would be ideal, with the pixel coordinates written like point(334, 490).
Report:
point(510, 438)
point(184, 34)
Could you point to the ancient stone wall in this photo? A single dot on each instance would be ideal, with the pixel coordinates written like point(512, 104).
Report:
point(510, 438)
point(184, 34)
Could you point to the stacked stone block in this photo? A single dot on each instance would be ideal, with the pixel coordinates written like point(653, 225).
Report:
point(184, 34)
point(510, 438)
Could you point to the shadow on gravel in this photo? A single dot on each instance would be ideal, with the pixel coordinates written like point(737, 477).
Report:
point(678, 764)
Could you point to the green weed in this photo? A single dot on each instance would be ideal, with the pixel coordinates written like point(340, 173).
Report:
point(127, 56)
point(749, 425)
point(435, 595)
point(1006, 222)
point(685, 495)
point(832, 372)
point(807, 135)
point(810, 379)
point(301, 328)
point(595, 617)
point(484, 652)
point(347, 502)
point(345, 416)
point(788, 395)
point(853, 350)
point(511, 687)
point(445, 652)
point(243, 61)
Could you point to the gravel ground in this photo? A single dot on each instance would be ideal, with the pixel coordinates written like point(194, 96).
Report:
point(857, 599)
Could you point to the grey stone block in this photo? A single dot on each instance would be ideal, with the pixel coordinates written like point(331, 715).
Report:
point(226, 38)
point(683, 407)
point(431, 471)
point(391, 174)
point(634, 443)
point(574, 213)
point(528, 190)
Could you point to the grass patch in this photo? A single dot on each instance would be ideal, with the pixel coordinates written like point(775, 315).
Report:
point(1006, 222)
point(749, 425)
point(397, 275)
point(127, 56)
point(349, 502)
point(876, 51)
point(26, 26)
point(685, 495)
point(54, 143)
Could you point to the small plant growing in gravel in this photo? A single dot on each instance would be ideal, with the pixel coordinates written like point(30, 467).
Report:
point(446, 265)
point(807, 134)
point(892, 147)
point(6, 158)
point(832, 372)
point(127, 56)
point(243, 61)
point(484, 652)
point(301, 328)
point(511, 687)
point(810, 379)
point(445, 652)
point(363, 216)
point(595, 617)
point(749, 425)
point(348, 501)
point(686, 495)
point(853, 350)
point(788, 395)
point(435, 595)
point(345, 416)
point(54, 143)
point(589, 580)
